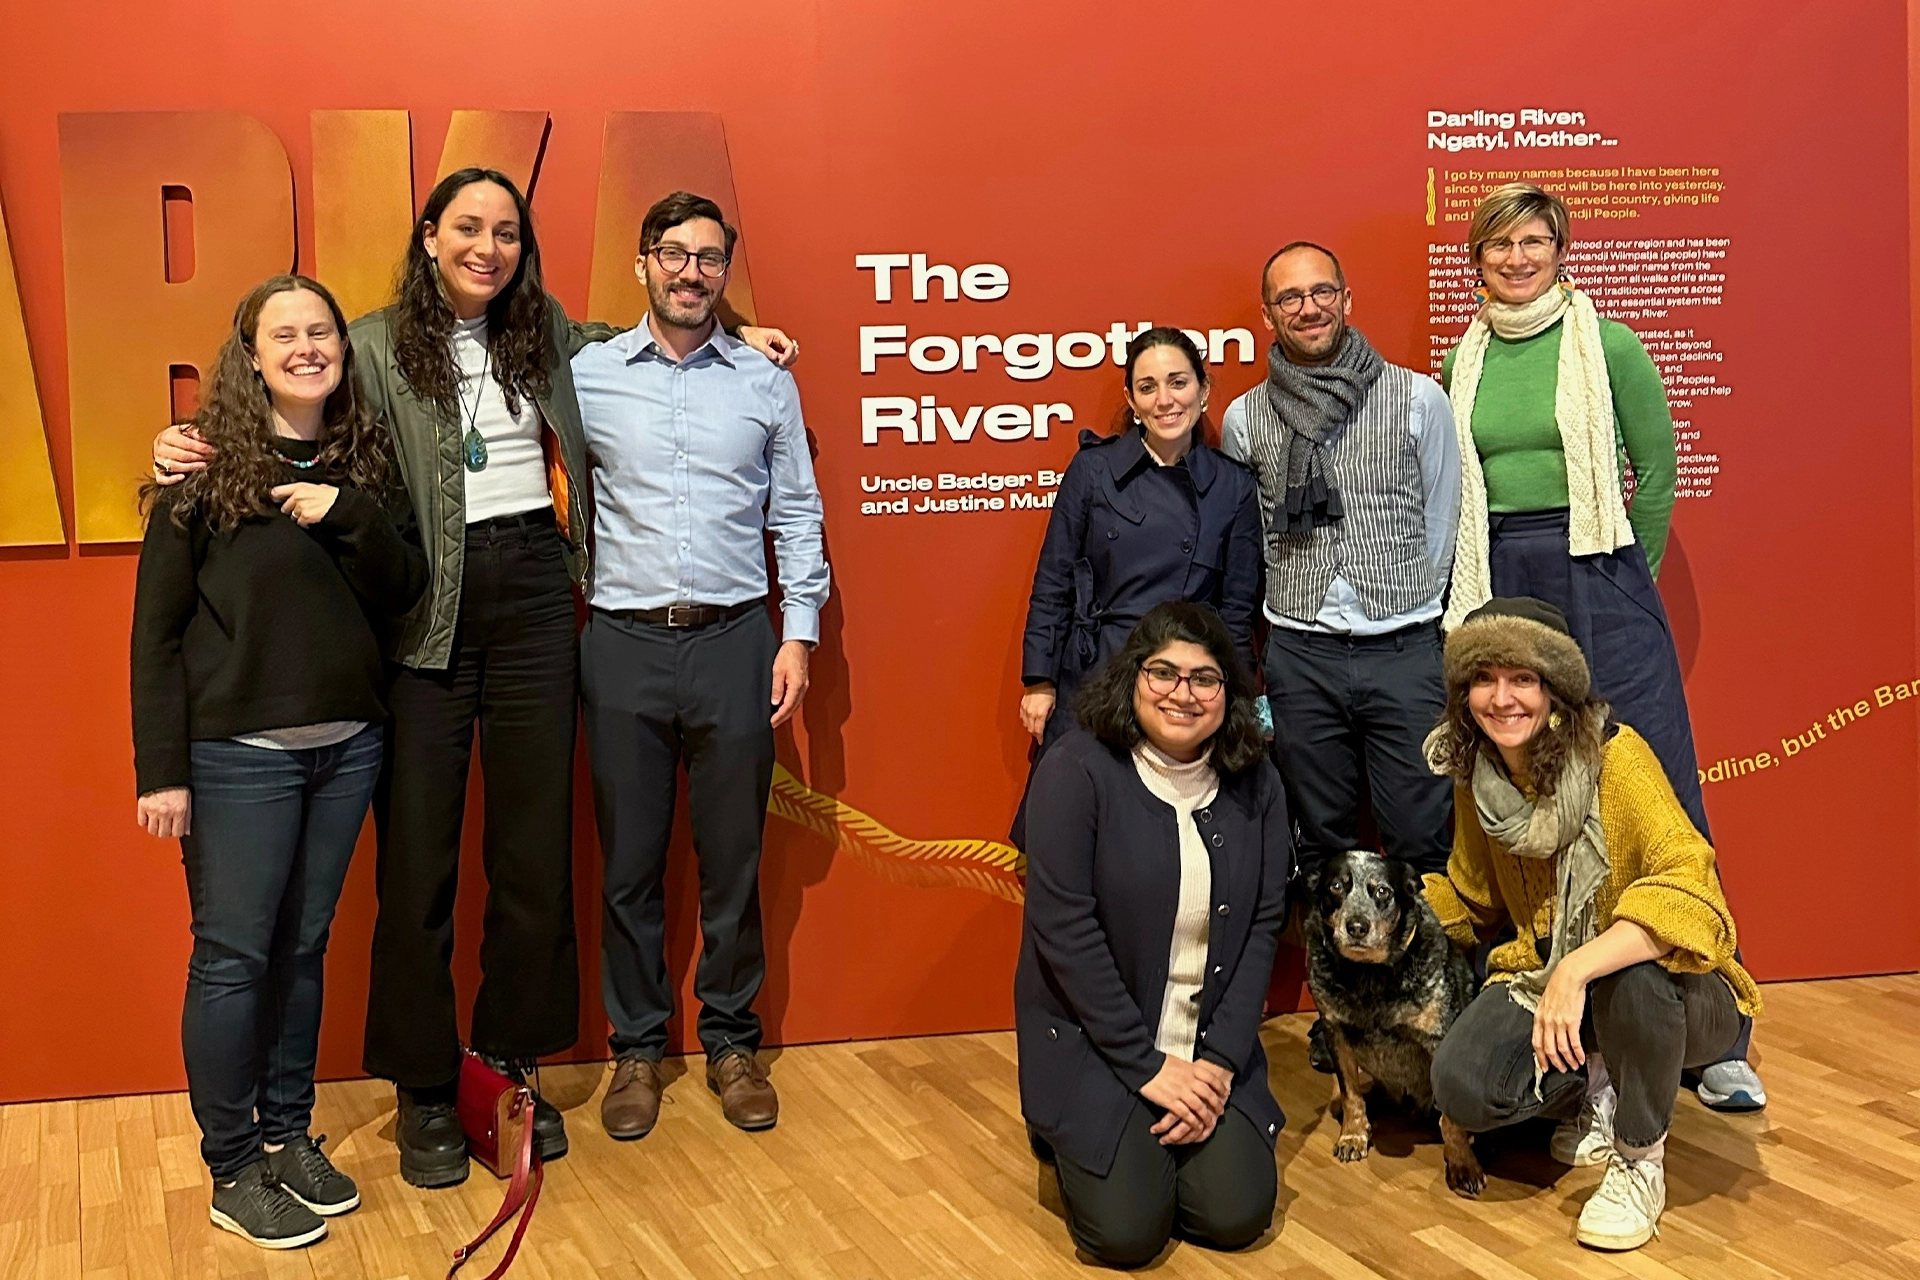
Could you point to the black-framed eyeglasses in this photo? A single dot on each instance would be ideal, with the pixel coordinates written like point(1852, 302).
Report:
point(1163, 678)
point(672, 258)
point(1290, 302)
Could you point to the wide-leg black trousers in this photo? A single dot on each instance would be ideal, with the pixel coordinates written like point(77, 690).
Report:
point(515, 673)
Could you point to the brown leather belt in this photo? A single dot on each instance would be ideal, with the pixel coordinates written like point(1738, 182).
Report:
point(688, 615)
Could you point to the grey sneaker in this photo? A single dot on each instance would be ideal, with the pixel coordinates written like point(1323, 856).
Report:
point(1731, 1086)
point(309, 1177)
point(255, 1206)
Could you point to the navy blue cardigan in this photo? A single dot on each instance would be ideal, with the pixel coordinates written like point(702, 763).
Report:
point(1103, 881)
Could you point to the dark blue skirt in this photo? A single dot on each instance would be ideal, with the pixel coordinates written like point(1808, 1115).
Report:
point(1617, 616)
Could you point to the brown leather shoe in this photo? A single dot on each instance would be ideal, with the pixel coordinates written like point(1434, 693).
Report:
point(632, 1104)
point(747, 1098)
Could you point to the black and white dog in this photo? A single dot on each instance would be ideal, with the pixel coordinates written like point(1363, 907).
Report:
point(1389, 983)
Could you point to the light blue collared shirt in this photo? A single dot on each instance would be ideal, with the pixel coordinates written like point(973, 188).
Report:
point(1437, 450)
point(693, 463)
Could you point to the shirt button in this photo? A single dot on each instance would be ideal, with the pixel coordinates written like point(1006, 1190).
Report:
point(1216, 971)
point(1205, 815)
point(1216, 839)
point(1053, 1033)
point(1186, 544)
point(683, 498)
point(1112, 534)
point(1270, 1129)
point(1225, 910)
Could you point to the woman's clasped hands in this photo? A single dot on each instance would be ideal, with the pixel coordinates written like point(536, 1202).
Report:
point(1194, 1096)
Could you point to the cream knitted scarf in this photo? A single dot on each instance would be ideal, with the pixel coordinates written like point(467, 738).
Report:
point(1583, 410)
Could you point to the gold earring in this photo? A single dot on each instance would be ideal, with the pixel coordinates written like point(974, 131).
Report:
point(1553, 720)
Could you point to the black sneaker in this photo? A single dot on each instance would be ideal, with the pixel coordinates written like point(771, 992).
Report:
point(549, 1127)
point(309, 1177)
point(254, 1205)
point(433, 1148)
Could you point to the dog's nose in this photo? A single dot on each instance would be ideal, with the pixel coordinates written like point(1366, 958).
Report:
point(1356, 929)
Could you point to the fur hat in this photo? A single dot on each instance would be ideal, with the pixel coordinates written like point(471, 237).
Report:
point(1518, 631)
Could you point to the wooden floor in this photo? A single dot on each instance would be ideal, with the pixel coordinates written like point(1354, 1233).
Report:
point(905, 1158)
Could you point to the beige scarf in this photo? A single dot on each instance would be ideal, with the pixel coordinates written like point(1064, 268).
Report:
point(1583, 410)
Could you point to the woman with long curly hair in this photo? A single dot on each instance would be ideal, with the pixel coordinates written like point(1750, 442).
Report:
point(469, 369)
point(1618, 969)
point(265, 584)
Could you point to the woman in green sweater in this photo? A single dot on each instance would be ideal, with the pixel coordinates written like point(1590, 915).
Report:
point(1554, 405)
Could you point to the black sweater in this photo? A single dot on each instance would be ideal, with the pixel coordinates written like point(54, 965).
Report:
point(267, 625)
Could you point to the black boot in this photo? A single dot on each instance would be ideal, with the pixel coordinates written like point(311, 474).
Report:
point(1319, 1052)
point(433, 1149)
point(549, 1127)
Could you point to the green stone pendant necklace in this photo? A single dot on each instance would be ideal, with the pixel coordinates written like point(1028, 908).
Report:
point(474, 443)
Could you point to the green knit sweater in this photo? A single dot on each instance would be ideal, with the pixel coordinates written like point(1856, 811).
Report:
point(1519, 442)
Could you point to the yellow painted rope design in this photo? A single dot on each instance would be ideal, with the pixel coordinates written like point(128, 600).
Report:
point(985, 866)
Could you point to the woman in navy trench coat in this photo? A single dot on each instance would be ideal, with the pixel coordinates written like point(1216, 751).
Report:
point(1150, 515)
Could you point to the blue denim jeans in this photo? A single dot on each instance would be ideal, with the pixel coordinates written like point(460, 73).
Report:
point(272, 834)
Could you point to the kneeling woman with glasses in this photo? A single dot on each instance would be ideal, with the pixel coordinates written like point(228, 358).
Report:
point(266, 581)
point(1158, 851)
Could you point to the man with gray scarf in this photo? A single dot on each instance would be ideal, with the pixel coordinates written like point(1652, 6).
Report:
point(1359, 475)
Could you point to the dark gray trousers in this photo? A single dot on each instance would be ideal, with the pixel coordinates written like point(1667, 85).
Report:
point(1352, 712)
point(656, 698)
point(1219, 1193)
point(1647, 1023)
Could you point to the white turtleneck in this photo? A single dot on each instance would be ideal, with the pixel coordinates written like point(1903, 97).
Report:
point(515, 477)
point(1186, 787)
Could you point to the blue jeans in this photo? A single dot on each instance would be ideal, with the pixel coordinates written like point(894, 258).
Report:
point(272, 834)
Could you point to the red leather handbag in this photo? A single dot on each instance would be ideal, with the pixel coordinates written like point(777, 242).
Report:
point(496, 1113)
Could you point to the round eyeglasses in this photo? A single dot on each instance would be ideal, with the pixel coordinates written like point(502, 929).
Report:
point(1163, 679)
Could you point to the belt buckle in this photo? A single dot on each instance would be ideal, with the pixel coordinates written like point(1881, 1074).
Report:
point(682, 615)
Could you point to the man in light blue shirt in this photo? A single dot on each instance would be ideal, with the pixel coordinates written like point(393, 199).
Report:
point(698, 452)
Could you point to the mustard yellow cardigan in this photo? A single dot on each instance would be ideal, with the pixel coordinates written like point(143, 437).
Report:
point(1663, 878)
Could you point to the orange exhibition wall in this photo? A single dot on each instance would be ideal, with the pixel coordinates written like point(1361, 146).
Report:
point(1739, 177)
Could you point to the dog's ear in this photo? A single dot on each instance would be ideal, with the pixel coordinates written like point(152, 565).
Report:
point(1311, 875)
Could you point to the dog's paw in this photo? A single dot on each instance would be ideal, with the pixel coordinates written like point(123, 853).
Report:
point(1466, 1179)
point(1349, 1147)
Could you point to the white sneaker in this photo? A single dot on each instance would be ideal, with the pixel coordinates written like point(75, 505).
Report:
point(1587, 1139)
point(1731, 1086)
point(1624, 1212)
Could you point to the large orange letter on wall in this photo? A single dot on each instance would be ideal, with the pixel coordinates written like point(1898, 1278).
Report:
point(127, 325)
point(646, 155)
point(510, 141)
point(362, 203)
point(29, 507)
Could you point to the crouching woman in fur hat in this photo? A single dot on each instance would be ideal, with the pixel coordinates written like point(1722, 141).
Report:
point(1621, 971)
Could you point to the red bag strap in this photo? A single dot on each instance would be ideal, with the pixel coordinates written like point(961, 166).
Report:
point(523, 1192)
